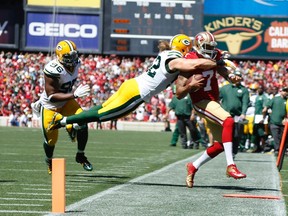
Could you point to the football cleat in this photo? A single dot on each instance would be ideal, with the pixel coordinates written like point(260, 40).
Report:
point(80, 158)
point(191, 171)
point(55, 123)
point(72, 132)
point(233, 172)
point(49, 164)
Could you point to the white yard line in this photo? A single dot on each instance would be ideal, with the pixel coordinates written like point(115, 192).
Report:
point(25, 199)
point(24, 212)
point(17, 204)
point(119, 187)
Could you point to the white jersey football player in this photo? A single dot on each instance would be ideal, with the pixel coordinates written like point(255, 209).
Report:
point(133, 92)
point(58, 96)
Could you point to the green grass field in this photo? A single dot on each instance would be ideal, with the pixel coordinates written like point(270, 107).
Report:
point(117, 157)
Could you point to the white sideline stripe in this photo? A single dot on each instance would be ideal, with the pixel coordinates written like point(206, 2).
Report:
point(116, 188)
point(38, 189)
point(79, 186)
point(40, 194)
point(17, 204)
point(43, 189)
point(26, 199)
point(46, 185)
point(7, 153)
point(37, 194)
point(25, 212)
point(23, 170)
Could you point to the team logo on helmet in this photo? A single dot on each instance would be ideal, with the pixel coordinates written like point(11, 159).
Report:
point(59, 47)
point(200, 38)
point(186, 42)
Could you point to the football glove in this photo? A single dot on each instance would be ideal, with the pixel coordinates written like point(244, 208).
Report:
point(36, 108)
point(225, 54)
point(82, 91)
point(230, 64)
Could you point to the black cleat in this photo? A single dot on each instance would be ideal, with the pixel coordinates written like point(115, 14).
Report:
point(80, 158)
point(49, 164)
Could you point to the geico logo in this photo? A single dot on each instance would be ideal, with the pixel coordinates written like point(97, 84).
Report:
point(62, 30)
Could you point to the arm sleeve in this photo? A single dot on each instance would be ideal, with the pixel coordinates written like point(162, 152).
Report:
point(245, 102)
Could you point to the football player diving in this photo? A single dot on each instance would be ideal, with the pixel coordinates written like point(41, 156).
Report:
point(133, 92)
point(60, 76)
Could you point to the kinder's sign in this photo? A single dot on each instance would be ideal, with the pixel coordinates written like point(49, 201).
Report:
point(250, 37)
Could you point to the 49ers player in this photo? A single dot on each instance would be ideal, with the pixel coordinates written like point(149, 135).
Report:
point(205, 102)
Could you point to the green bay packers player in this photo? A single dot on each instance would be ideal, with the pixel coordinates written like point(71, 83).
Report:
point(60, 76)
point(163, 71)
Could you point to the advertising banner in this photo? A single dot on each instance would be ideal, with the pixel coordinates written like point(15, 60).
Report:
point(9, 29)
point(66, 3)
point(267, 8)
point(45, 30)
point(250, 37)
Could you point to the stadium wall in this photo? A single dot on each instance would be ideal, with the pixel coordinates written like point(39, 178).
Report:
point(121, 125)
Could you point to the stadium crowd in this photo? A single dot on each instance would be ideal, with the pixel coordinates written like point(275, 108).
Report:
point(21, 82)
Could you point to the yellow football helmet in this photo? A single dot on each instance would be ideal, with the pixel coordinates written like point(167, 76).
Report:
point(254, 86)
point(67, 53)
point(181, 43)
point(204, 43)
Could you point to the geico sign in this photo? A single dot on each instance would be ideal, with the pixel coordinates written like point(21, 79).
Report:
point(62, 30)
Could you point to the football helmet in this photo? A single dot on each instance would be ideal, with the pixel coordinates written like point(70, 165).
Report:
point(181, 43)
point(254, 86)
point(204, 43)
point(67, 53)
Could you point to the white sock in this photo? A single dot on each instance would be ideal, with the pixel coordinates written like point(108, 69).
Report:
point(63, 121)
point(228, 152)
point(201, 160)
point(247, 143)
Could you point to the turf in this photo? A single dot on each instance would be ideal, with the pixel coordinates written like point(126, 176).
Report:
point(117, 157)
point(284, 180)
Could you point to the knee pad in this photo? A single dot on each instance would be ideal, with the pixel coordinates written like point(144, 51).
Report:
point(215, 149)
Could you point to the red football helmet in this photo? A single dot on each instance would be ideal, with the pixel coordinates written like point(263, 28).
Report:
point(205, 44)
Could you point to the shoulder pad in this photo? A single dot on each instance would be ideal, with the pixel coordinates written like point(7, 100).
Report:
point(53, 69)
point(174, 54)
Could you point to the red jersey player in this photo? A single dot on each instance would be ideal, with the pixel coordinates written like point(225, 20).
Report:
point(205, 101)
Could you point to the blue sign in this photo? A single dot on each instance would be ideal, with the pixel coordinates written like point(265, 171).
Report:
point(262, 8)
point(45, 30)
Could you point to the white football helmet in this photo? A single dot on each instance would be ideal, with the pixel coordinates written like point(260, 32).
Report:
point(204, 43)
